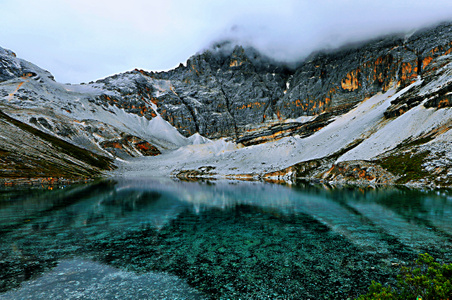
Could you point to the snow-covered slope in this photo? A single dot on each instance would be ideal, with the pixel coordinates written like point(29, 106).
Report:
point(75, 113)
point(379, 113)
point(365, 127)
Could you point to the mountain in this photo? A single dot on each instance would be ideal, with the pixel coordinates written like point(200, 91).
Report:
point(373, 112)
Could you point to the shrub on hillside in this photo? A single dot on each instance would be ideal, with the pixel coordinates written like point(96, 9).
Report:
point(427, 278)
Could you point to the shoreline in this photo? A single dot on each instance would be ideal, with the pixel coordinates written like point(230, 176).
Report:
point(294, 181)
point(195, 176)
point(44, 181)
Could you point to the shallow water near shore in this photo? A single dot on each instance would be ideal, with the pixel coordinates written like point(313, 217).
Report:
point(164, 239)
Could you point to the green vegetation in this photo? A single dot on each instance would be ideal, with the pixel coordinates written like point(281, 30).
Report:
point(427, 279)
point(408, 144)
point(407, 165)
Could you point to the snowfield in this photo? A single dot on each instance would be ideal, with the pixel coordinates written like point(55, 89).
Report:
point(91, 116)
point(364, 123)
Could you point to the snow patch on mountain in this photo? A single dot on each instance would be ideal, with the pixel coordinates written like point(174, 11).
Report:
point(74, 107)
point(365, 123)
point(228, 158)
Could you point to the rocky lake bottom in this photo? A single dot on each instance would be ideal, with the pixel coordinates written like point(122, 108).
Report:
point(132, 238)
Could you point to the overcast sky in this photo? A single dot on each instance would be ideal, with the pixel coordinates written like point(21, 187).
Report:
point(84, 40)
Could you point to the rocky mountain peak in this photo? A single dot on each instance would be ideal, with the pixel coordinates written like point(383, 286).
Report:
point(7, 52)
point(229, 90)
point(12, 67)
point(238, 57)
point(234, 92)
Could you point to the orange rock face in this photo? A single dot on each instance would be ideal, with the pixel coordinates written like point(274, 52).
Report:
point(235, 63)
point(358, 171)
point(408, 72)
point(350, 82)
point(444, 103)
point(251, 105)
point(147, 149)
point(116, 145)
point(426, 61)
point(278, 174)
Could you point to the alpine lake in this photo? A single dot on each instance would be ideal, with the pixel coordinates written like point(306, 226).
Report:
point(130, 238)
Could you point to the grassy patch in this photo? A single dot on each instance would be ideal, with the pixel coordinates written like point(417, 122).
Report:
point(407, 165)
point(410, 143)
point(417, 142)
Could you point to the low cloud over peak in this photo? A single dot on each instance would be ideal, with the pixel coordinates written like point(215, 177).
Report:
point(83, 40)
point(323, 25)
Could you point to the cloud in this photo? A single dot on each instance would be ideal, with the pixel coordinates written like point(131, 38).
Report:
point(82, 40)
point(314, 25)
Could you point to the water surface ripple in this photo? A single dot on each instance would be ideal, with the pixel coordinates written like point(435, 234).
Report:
point(165, 239)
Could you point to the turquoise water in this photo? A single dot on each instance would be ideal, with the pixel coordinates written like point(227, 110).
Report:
point(162, 239)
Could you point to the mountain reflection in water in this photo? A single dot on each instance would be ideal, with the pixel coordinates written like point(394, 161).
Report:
point(225, 239)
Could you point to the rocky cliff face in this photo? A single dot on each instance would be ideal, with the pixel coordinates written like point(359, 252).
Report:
point(217, 94)
point(333, 102)
point(231, 91)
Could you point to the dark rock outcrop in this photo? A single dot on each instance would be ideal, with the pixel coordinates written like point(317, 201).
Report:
point(226, 90)
point(8, 69)
point(129, 146)
point(12, 67)
point(361, 172)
